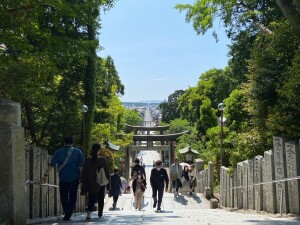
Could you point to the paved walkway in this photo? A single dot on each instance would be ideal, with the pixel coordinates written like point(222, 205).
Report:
point(182, 210)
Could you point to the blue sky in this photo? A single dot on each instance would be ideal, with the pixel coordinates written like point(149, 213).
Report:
point(155, 51)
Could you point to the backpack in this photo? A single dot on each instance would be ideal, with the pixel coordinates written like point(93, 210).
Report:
point(101, 178)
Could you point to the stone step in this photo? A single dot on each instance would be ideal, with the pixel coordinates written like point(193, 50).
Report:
point(170, 202)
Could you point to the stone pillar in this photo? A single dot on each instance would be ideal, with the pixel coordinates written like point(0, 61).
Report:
point(269, 190)
point(251, 199)
point(245, 184)
point(211, 177)
point(258, 189)
point(280, 173)
point(12, 163)
point(231, 191)
point(239, 183)
point(292, 162)
point(199, 164)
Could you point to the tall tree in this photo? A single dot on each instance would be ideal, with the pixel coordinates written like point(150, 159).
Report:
point(169, 109)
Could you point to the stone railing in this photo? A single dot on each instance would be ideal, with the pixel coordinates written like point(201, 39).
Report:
point(43, 200)
point(205, 181)
point(267, 183)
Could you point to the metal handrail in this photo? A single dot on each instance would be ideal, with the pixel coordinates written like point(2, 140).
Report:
point(39, 183)
point(47, 195)
point(267, 182)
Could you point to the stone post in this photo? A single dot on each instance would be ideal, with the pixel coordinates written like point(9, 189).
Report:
point(292, 162)
point(211, 177)
point(258, 191)
point(280, 173)
point(269, 190)
point(245, 184)
point(12, 163)
point(199, 164)
point(251, 199)
point(239, 183)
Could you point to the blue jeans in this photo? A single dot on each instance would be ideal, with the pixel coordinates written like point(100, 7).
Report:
point(68, 196)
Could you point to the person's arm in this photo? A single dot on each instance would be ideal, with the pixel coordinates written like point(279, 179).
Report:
point(143, 171)
point(166, 180)
point(46, 174)
point(151, 177)
point(84, 178)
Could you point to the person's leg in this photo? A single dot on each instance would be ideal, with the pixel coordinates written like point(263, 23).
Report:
point(136, 199)
point(91, 203)
point(72, 191)
point(101, 196)
point(141, 200)
point(160, 196)
point(154, 196)
point(63, 191)
point(115, 199)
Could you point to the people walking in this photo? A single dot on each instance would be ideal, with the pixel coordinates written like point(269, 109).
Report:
point(176, 172)
point(139, 186)
point(69, 161)
point(136, 168)
point(89, 184)
point(193, 181)
point(115, 186)
point(159, 181)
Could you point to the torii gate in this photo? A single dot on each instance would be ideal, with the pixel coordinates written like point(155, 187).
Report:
point(166, 143)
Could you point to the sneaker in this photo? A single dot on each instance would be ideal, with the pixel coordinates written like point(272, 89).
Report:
point(66, 218)
point(158, 210)
point(114, 205)
point(154, 204)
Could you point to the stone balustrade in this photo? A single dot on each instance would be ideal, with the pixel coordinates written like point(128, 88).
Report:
point(254, 182)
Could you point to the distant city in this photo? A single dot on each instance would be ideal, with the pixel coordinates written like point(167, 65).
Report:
point(142, 103)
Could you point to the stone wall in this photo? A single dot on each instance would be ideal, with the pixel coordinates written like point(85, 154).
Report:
point(253, 186)
point(43, 201)
point(12, 164)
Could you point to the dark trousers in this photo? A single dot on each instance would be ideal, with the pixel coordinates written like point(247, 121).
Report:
point(160, 191)
point(176, 184)
point(115, 199)
point(99, 197)
point(68, 196)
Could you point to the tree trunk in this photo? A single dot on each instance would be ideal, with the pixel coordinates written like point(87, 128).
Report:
point(90, 96)
point(291, 12)
point(30, 121)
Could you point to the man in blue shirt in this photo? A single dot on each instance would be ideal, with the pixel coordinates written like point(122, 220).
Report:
point(69, 161)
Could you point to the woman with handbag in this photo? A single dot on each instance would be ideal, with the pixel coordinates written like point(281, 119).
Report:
point(89, 184)
point(139, 186)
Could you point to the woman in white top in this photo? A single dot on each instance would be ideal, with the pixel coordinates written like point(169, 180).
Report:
point(193, 181)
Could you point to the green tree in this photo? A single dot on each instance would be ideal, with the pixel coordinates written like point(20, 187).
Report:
point(131, 117)
point(169, 109)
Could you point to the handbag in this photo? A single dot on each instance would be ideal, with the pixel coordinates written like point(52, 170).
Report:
point(101, 178)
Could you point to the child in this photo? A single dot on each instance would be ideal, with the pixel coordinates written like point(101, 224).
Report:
point(116, 186)
point(139, 185)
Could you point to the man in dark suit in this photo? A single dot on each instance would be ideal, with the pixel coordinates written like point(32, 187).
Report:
point(159, 181)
